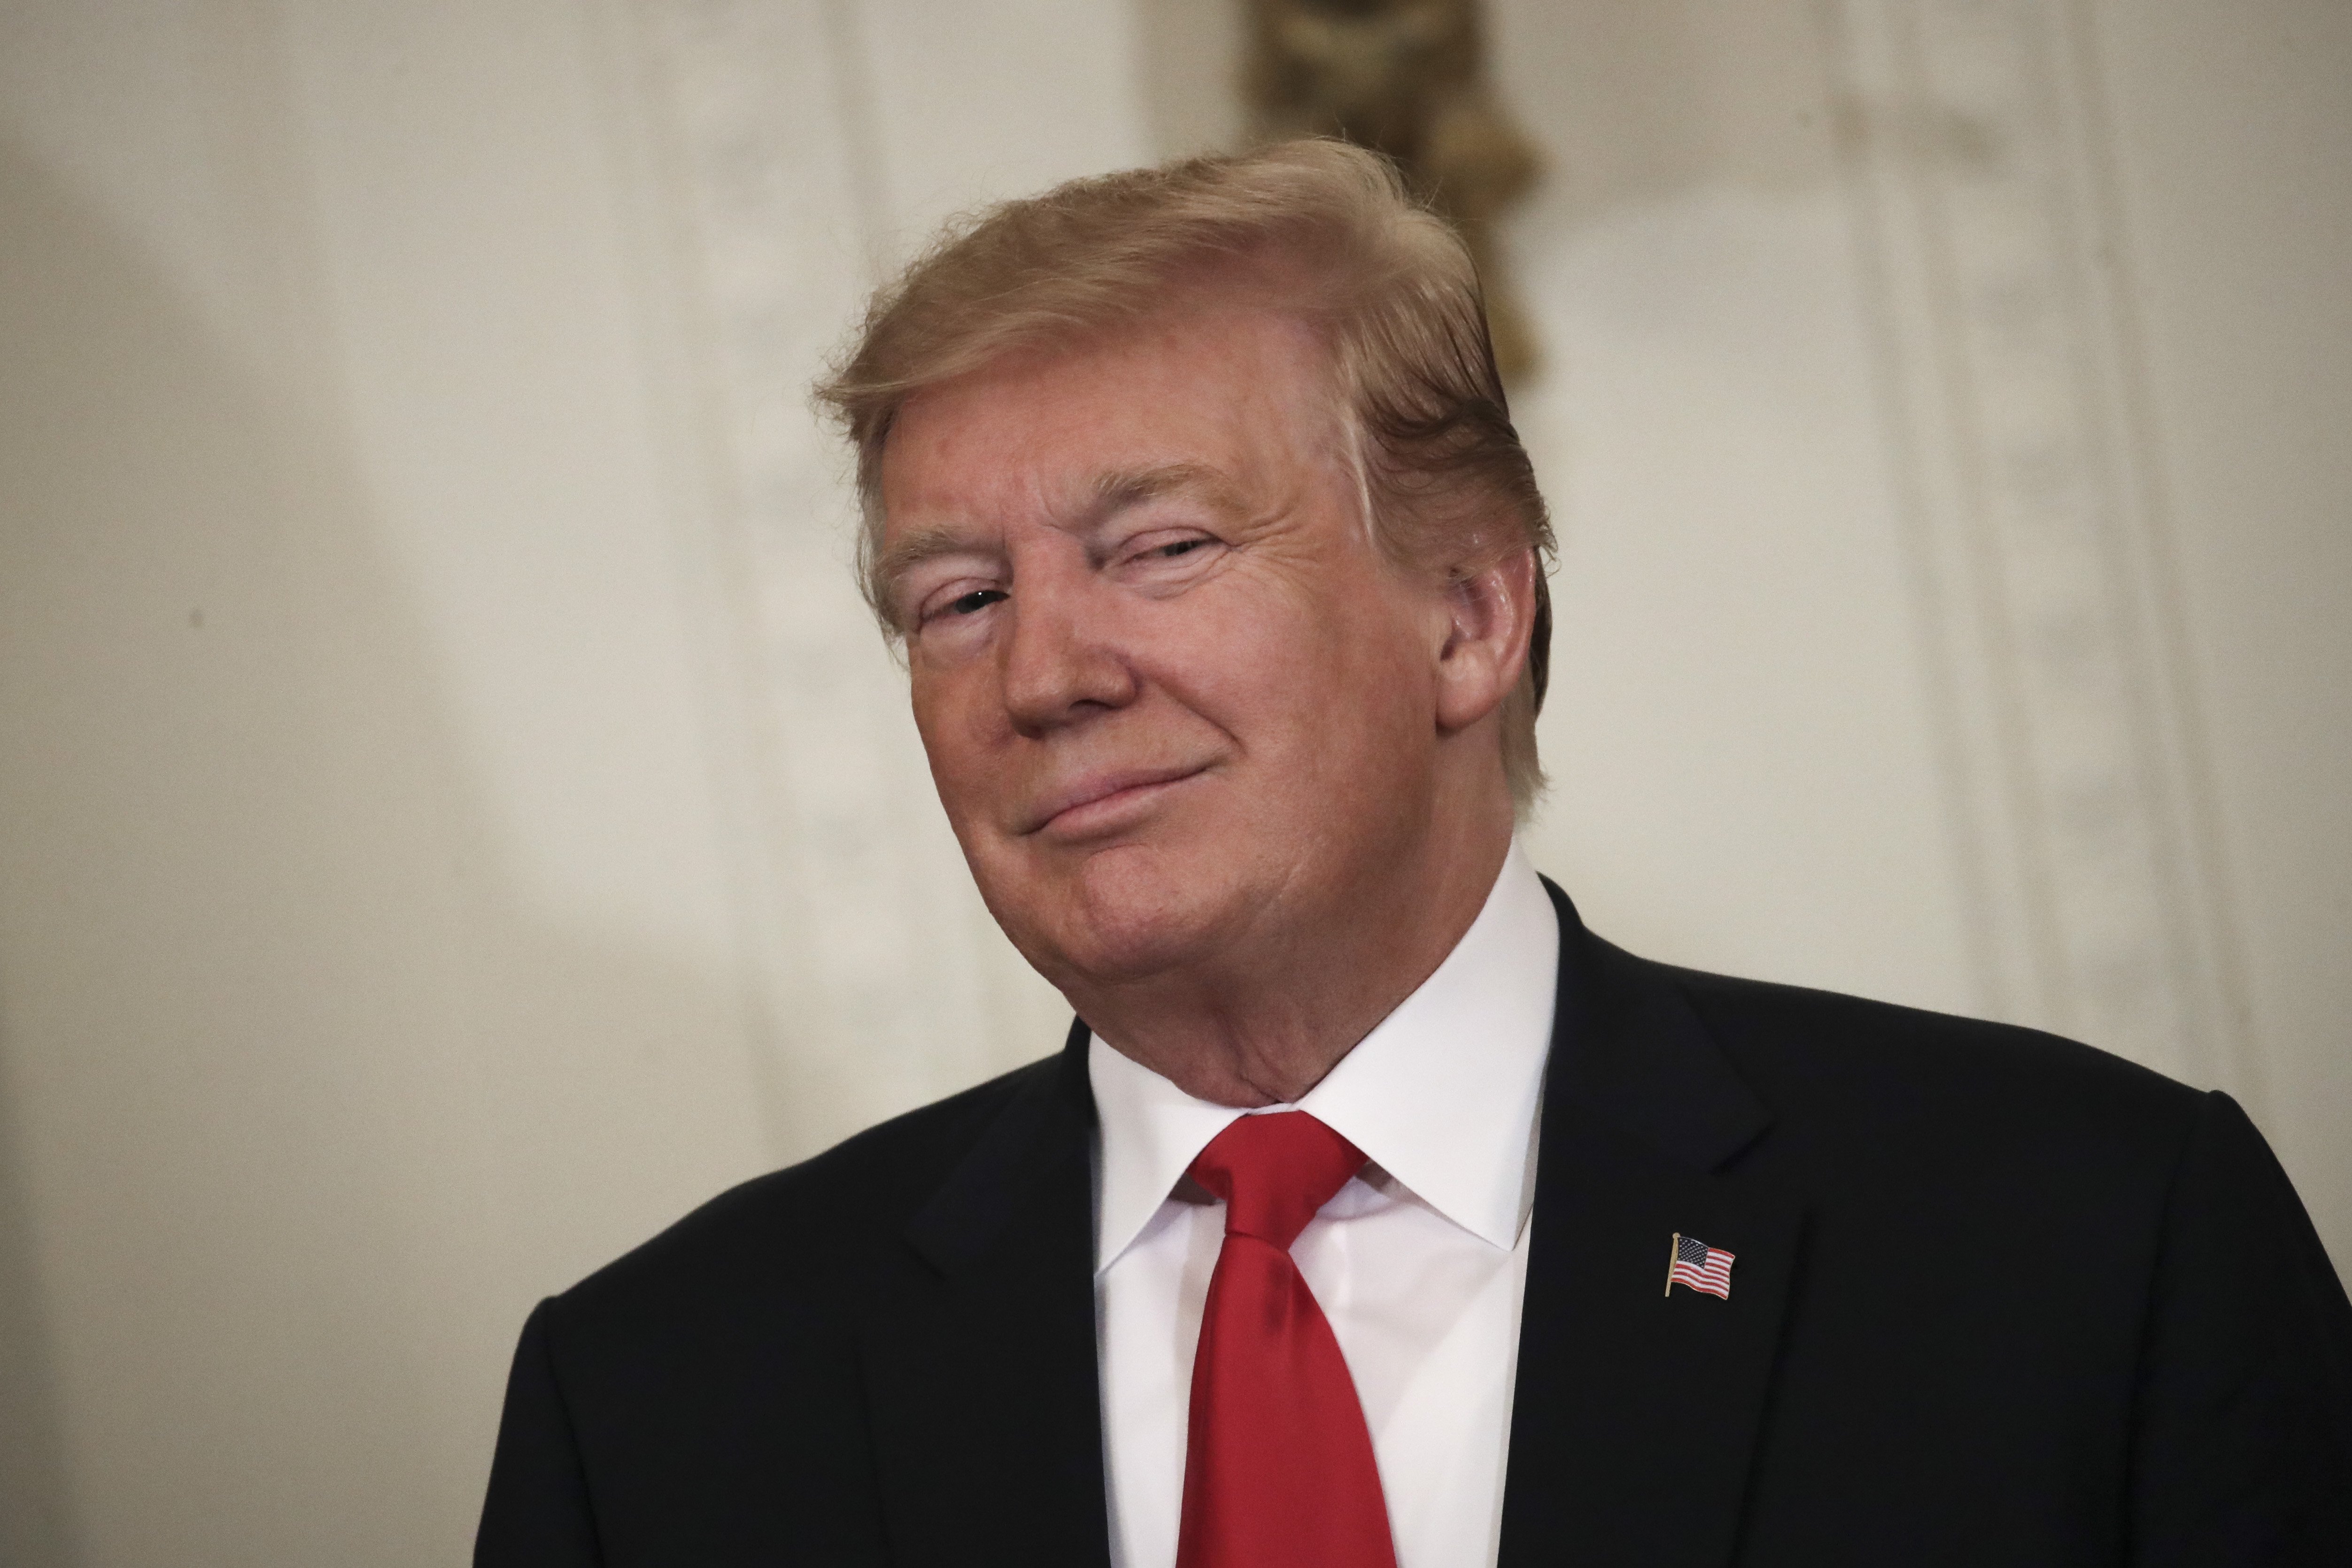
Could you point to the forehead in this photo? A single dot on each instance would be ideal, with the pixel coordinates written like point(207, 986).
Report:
point(1242, 393)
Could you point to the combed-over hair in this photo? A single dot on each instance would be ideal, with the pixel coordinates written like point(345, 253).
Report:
point(1386, 282)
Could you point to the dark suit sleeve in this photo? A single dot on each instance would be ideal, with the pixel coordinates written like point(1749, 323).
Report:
point(536, 1514)
point(2243, 1438)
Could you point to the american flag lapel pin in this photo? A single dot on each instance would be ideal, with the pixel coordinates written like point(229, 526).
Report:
point(1697, 1265)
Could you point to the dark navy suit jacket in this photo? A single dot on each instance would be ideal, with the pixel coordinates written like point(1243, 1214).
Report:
point(2000, 1299)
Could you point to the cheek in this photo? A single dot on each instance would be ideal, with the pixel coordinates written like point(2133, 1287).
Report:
point(1320, 680)
point(945, 718)
point(1325, 713)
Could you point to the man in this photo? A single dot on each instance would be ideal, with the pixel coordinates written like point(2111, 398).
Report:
point(1376, 1212)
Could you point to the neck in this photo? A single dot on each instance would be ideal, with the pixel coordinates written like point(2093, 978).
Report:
point(1264, 1024)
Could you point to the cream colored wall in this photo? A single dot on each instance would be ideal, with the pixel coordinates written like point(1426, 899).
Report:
point(2233, 135)
point(452, 816)
point(367, 957)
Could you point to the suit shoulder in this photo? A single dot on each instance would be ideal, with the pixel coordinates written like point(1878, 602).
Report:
point(802, 1229)
point(1820, 1054)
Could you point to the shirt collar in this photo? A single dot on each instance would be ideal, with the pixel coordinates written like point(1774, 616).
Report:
point(1441, 1094)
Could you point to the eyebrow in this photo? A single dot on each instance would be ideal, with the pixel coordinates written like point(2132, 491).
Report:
point(1115, 493)
point(1109, 495)
point(924, 544)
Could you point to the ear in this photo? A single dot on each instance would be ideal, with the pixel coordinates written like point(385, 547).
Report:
point(1490, 613)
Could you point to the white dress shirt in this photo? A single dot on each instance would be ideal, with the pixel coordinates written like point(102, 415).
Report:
point(1419, 1262)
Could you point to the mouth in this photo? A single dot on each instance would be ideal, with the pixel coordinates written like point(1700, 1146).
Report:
point(1102, 801)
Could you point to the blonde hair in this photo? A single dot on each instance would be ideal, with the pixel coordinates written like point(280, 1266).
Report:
point(1388, 284)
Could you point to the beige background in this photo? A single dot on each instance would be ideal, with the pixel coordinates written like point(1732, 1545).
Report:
point(453, 816)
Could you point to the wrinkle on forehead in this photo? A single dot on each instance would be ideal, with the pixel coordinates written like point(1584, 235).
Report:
point(1080, 503)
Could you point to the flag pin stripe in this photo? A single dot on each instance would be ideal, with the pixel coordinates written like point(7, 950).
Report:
point(1695, 1264)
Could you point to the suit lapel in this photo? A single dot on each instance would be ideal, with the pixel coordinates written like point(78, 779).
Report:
point(980, 1361)
point(1637, 1411)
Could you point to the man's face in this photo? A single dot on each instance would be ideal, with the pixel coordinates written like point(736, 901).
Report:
point(1178, 708)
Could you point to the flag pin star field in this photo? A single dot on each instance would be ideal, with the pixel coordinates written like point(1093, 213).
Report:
point(1695, 1264)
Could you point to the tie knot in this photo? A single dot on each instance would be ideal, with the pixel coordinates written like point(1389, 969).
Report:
point(1274, 1171)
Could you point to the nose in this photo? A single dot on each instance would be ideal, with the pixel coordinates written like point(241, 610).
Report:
point(1060, 664)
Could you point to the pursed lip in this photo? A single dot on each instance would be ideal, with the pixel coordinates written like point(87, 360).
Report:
point(1100, 786)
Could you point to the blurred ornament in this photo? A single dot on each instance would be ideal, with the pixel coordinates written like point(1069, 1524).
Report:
point(1406, 77)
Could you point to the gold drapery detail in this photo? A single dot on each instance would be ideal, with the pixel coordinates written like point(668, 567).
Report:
point(1408, 79)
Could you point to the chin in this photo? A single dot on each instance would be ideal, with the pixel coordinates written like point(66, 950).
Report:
point(1120, 915)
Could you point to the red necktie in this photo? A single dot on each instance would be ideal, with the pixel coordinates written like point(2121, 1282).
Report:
point(1279, 1469)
